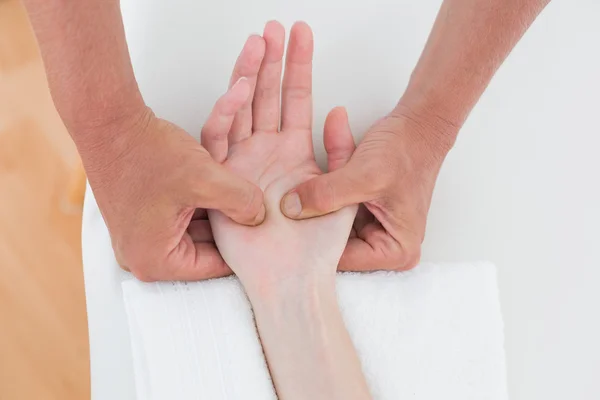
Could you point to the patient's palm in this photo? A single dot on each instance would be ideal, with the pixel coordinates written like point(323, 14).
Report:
point(277, 162)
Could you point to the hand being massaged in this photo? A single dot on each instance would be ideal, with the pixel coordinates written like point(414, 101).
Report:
point(278, 159)
point(288, 266)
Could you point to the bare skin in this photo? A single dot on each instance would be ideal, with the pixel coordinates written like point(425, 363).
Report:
point(393, 172)
point(154, 183)
point(150, 177)
point(288, 267)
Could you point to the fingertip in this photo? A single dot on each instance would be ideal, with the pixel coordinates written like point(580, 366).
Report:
point(273, 28)
point(302, 27)
point(254, 48)
point(274, 35)
point(260, 217)
point(301, 34)
point(338, 139)
point(341, 111)
point(338, 115)
point(255, 42)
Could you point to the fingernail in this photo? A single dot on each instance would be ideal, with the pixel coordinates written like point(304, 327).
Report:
point(292, 207)
point(261, 215)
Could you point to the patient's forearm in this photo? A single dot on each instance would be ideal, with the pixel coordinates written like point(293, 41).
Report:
point(468, 43)
point(87, 61)
point(308, 349)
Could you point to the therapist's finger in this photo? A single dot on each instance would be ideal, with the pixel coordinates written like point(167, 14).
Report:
point(193, 262)
point(266, 104)
point(296, 106)
point(247, 65)
point(189, 261)
point(216, 129)
point(200, 231)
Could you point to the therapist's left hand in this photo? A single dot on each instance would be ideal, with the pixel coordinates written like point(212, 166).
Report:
point(392, 175)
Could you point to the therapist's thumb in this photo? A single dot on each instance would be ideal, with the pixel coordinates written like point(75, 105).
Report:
point(325, 194)
point(220, 189)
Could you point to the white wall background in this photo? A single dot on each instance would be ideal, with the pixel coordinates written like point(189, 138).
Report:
point(521, 188)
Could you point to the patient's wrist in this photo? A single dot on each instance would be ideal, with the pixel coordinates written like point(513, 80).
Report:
point(307, 286)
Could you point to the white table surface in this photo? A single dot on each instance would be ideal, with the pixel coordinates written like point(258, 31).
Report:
point(521, 187)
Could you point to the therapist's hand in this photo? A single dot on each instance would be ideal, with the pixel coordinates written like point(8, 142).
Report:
point(153, 183)
point(392, 175)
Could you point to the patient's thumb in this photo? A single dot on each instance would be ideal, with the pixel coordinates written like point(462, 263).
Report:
point(337, 138)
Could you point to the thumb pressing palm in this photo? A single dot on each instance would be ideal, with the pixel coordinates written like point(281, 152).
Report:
point(391, 174)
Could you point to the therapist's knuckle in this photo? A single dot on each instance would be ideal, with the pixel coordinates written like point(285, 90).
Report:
point(143, 274)
point(395, 256)
point(139, 268)
point(139, 262)
point(411, 255)
point(401, 258)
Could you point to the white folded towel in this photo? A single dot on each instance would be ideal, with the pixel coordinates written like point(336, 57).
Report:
point(432, 333)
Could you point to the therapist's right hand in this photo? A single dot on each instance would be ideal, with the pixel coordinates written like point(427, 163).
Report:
point(153, 183)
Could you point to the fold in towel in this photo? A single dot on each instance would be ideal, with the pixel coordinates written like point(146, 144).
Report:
point(432, 333)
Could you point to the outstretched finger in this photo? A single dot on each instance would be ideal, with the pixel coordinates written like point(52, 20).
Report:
point(247, 65)
point(296, 104)
point(338, 140)
point(266, 104)
point(216, 129)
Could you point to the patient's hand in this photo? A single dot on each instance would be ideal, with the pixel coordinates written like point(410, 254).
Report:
point(277, 160)
point(288, 267)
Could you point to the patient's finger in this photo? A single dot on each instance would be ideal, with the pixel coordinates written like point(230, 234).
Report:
point(296, 107)
point(247, 65)
point(337, 138)
point(266, 103)
point(217, 126)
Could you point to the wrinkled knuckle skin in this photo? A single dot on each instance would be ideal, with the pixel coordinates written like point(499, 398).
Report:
point(409, 258)
point(139, 266)
point(143, 274)
point(141, 271)
point(398, 257)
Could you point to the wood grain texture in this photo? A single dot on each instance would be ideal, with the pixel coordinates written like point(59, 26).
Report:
point(43, 331)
